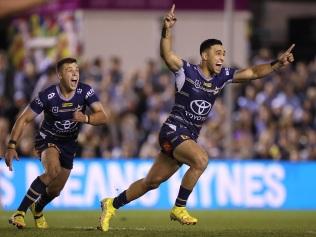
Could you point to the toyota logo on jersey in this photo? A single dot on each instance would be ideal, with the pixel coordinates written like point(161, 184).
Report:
point(65, 125)
point(200, 107)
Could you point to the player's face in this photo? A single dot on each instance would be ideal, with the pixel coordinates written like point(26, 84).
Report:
point(215, 57)
point(70, 76)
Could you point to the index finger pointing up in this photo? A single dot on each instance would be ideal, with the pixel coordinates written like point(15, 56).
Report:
point(290, 49)
point(172, 8)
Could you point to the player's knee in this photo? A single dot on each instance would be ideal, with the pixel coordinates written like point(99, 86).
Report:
point(53, 172)
point(201, 162)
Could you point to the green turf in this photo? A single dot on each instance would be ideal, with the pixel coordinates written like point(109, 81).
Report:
point(156, 223)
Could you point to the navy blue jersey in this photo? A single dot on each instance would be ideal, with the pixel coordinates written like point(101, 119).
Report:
point(195, 95)
point(58, 111)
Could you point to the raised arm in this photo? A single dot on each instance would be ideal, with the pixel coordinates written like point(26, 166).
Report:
point(263, 70)
point(26, 117)
point(173, 62)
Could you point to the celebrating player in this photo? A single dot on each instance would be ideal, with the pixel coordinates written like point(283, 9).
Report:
point(197, 87)
point(64, 107)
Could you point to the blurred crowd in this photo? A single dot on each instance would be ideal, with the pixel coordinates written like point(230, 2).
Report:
point(273, 118)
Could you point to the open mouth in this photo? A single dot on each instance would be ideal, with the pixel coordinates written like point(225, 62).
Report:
point(74, 81)
point(218, 66)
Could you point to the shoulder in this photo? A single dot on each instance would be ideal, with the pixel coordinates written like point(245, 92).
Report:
point(85, 89)
point(227, 72)
point(49, 89)
point(42, 98)
point(226, 75)
point(48, 93)
point(188, 67)
point(187, 64)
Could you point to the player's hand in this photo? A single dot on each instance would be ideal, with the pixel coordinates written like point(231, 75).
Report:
point(80, 117)
point(170, 19)
point(9, 156)
point(286, 58)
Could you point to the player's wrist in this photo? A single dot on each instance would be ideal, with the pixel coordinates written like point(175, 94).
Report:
point(11, 144)
point(165, 33)
point(275, 65)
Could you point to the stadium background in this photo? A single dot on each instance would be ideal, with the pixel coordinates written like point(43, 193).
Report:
point(261, 157)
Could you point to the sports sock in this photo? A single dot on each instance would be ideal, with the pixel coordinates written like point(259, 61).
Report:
point(43, 201)
point(36, 189)
point(183, 196)
point(120, 200)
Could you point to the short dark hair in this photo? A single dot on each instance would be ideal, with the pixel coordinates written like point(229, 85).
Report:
point(209, 43)
point(63, 61)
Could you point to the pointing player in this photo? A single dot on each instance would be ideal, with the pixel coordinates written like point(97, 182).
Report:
point(64, 107)
point(197, 87)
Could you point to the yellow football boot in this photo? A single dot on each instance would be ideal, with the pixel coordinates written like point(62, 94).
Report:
point(39, 219)
point(108, 211)
point(17, 219)
point(181, 215)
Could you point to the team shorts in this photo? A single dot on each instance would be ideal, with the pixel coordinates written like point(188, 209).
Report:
point(67, 148)
point(172, 135)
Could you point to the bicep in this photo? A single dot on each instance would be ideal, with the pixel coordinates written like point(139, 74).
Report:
point(243, 75)
point(173, 61)
point(96, 107)
point(27, 115)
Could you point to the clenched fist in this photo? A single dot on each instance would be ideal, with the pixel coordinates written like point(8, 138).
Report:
point(80, 117)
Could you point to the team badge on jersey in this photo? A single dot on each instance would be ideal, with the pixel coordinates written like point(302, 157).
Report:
point(55, 109)
point(197, 84)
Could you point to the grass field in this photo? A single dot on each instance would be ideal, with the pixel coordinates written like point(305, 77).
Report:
point(157, 223)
